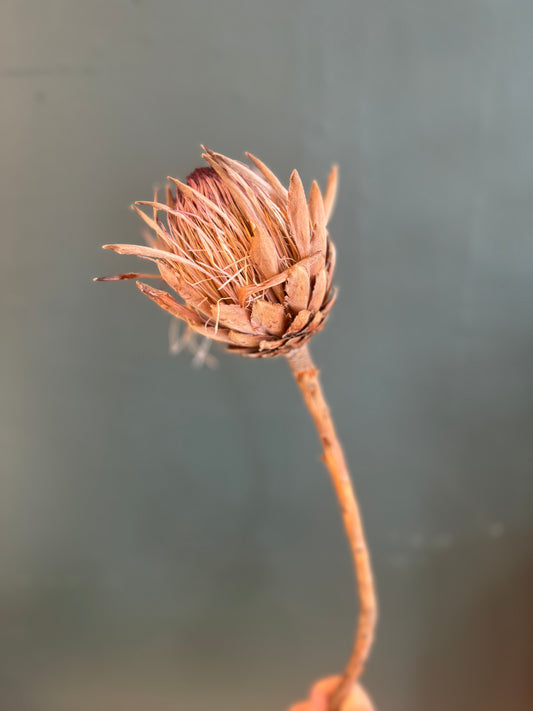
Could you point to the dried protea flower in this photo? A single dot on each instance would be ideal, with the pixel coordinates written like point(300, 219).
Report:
point(251, 260)
point(253, 265)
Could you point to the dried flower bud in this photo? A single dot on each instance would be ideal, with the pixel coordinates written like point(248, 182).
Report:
point(251, 261)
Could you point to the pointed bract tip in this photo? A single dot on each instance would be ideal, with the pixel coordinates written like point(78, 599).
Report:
point(135, 207)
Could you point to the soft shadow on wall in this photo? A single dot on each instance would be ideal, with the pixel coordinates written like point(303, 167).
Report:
point(479, 655)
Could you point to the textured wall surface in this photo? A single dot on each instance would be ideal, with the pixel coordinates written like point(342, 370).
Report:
point(169, 537)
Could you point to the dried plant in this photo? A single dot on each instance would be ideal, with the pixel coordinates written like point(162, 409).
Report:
point(253, 265)
point(240, 251)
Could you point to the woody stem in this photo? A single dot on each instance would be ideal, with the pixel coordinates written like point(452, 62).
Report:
point(307, 378)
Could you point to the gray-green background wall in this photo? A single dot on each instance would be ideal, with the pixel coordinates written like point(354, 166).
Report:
point(170, 539)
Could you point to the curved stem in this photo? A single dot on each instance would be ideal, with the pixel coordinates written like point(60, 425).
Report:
point(307, 378)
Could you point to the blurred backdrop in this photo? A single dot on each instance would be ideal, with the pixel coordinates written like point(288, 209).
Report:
point(157, 551)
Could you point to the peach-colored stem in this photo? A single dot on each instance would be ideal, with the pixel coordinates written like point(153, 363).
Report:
point(307, 378)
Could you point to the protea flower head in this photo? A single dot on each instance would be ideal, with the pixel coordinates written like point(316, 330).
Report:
point(251, 261)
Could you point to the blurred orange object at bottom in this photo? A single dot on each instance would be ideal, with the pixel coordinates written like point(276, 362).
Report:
point(357, 700)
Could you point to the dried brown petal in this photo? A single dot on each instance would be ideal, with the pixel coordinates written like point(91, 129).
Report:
point(244, 339)
point(318, 220)
point(246, 352)
point(300, 321)
point(263, 253)
point(167, 302)
point(330, 196)
point(232, 316)
point(332, 260)
point(216, 334)
point(275, 184)
point(297, 289)
point(152, 254)
point(316, 321)
point(319, 291)
point(193, 296)
point(269, 317)
point(170, 197)
point(271, 345)
point(298, 215)
point(329, 304)
point(126, 276)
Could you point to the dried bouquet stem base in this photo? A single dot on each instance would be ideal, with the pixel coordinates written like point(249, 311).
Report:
point(307, 378)
point(319, 697)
